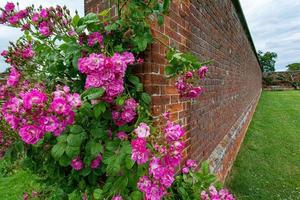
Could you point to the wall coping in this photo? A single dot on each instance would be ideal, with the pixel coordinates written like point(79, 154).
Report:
point(244, 23)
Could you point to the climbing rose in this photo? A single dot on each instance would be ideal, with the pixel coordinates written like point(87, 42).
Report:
point(44, 13)
point(14, 77)
point(122, 135)
point(9, 6)
point(34, 98)
point(77, 164)
point(96, 162)
point(202, 71)
point(214, 194)
point(140, 153)
point(30, 134)
point(173, 132)
point(117, 197)
point(44, 29)
point(143, 130)
point(94, 38)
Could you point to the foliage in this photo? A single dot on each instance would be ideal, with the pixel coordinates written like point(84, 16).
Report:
point(293, 67)
point(83, 115)
point(267, 61)
point(189, 185)
point(267, 166)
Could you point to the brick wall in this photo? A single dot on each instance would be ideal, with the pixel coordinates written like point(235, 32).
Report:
point(217, 121)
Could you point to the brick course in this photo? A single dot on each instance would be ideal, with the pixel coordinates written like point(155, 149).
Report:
point(212, 30)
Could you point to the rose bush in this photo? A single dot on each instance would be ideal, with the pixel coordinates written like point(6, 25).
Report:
point(82, 114)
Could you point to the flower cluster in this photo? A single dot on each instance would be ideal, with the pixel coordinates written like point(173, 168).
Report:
point(33, 113)
point(189, 165)
point(9, 15)
point(18, 54)
point(214, 194)
point(185, 84)
point(14, 77)
point(106, 72)
point(95, 38)
point(77, 163)
point(161, 168)
point(46, 21)
point(126, 113)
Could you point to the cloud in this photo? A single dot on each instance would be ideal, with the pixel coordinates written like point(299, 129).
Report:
point(274, 26)
point(11, 34)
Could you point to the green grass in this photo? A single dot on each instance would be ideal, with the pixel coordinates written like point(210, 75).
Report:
point(18, 181)
point(268, 164)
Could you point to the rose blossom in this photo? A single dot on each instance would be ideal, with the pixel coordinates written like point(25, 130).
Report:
point(77, 164)
point(202, 71)
point(142, 131)
point(96, 162)
point(140, 153)
point(44, 29)
point(117, 197)
point(9, 6)
point(30, 134)
point(34, 98)
point(122, 135)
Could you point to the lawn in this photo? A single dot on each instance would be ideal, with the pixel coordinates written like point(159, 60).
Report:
point(268, 164)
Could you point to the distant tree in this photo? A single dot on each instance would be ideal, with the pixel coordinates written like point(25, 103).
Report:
point(267, 61)
point(293, 67)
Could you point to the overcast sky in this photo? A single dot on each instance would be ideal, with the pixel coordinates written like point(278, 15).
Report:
point(11, 34)
point(275, 26)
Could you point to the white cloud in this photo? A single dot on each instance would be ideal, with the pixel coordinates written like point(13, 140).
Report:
point(11, 34)
point(274, 26)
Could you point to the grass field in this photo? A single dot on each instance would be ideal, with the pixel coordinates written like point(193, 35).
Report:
point(268, 164)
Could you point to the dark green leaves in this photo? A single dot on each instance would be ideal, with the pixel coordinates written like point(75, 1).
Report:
point(146, 98)
point(75, 140)
point(58, 150)
point(92, 93)
point(76, 129)
point(99, 109)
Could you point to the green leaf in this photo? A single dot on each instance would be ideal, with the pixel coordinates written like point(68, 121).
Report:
point(86, 171)
point(96, 148)
point(92, 93)
point(76, 56)
point(97, 194)
point(146, 98)
point(134, 79)
point(88, 19)
point(75, 140)
point(75, 20)
point(99, 109)
point(57, 151)
point(65, 160)
point(97, 132)
point(76, 129)
point(129, 163)
point(160, 20)
point(136, 195)
point(166, 6)
point(112, 145)
point(105, 12)
point(120, 100)
point(62, 138)
point(170, 70)
point(72, 151)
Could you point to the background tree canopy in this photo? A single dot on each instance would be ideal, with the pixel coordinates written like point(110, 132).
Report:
point(267, 61)
point(293, 67)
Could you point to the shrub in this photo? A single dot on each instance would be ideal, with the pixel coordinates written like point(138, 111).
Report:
point(82, 114)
